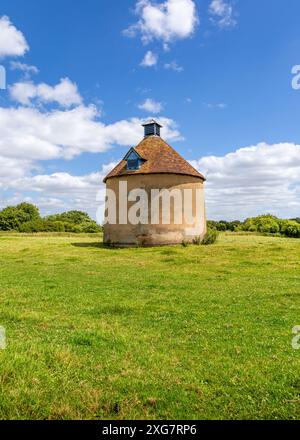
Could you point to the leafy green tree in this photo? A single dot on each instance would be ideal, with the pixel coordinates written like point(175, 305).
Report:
point(290, 228)
point(25, 217)
point(32, 211)
point(221, 226)
point(76, 222)
point(297, 219)
point(41, 225)
point(76, 217)
point(12, 217)
point(249, 225)
point(233, 226)
point(211, 224)
point(267, 224)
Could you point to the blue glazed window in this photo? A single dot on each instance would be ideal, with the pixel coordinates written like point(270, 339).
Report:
point(133, 164)
point(133, 160)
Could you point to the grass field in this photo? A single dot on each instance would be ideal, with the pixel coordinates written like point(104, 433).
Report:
point(197, 332)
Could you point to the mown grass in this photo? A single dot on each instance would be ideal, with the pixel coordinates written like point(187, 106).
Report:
point(197, 332)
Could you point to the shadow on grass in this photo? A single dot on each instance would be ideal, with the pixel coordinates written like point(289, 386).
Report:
point(97, 245)
point(91, 245)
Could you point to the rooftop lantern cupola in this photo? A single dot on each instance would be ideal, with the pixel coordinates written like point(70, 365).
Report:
point(152, 128)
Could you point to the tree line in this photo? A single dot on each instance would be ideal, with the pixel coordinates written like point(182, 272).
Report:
point(264, 224)
point(26, 217)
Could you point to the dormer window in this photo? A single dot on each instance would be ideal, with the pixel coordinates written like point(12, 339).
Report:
point(133, 164)
point(134, 160)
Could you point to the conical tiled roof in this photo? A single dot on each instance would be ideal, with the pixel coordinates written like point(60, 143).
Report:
point(159, 158)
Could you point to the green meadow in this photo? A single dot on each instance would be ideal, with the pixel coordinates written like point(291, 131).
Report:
point(197, 332)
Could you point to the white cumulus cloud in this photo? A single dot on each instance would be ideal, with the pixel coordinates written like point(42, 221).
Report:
point(253, 180)
point(65, 93)
point(222, 13)
point(150, 59)
point(173, 65)
point(27, 69)
point(166, 21)
point(151, 106)
point(32, 134)
point(12, 169)
point(59, 192)
point(12, 41)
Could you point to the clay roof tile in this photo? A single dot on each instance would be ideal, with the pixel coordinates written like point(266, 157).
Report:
point(159, 157)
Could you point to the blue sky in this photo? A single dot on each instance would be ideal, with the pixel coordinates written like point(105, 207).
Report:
point(218, 76)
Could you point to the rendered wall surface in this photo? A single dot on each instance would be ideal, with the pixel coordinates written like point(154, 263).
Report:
point(156, 234)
